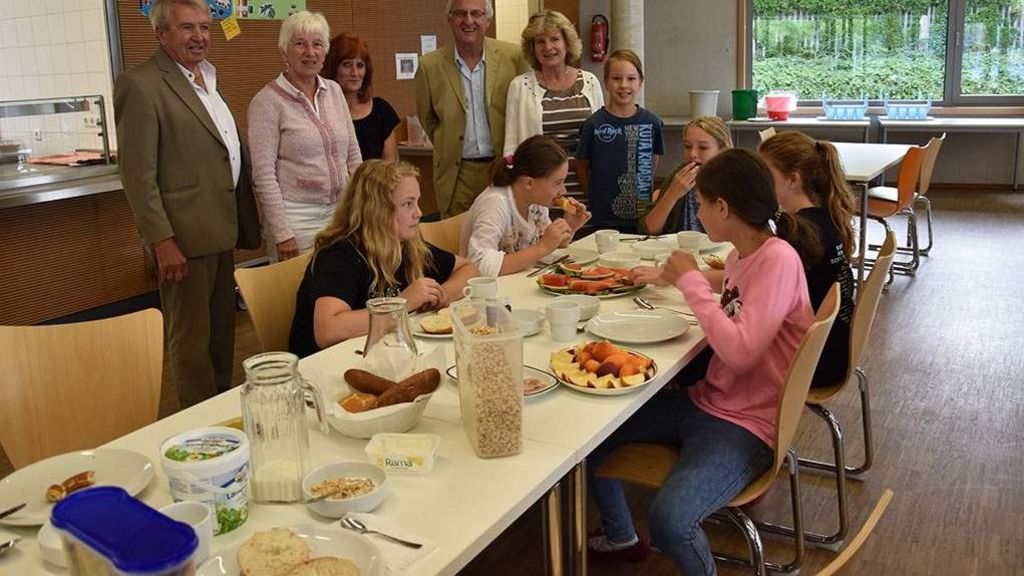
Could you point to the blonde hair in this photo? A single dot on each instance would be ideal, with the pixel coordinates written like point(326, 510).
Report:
point(715, 127)
point(160, 11)
point(821, 171)
point(304, 21)
point(548, 21)
point(366, 218)
point(624, 55)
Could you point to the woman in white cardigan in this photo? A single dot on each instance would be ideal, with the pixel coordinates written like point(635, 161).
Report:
point(554, 98)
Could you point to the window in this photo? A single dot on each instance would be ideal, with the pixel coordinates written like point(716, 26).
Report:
point(954, 51)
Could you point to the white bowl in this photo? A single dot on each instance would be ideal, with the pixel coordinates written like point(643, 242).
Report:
point(394, 418)
point(530, 321)
point(621, 259)
point(333, 508)
point(648, 249)
point(589, 305)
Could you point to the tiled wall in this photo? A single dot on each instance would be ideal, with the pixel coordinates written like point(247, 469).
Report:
point(510, 17)
point(54, 48)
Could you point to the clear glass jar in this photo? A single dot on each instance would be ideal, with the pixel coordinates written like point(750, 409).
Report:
point(274, 418)
point(390, 351)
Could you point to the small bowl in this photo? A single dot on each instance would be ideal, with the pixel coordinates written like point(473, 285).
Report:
point(333, 508)
point(589, 305)
point(648, 249)
point(621, 259)
point(530, 321)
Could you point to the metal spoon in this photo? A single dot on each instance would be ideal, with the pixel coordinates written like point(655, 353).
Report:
point(353, 524)
point(9, 545)
point(641, 302)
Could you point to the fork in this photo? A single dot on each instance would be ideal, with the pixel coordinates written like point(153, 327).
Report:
point(356, 525)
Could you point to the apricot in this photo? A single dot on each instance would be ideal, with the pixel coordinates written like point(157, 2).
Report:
point(643, 363)
point(629, 369)
point(583, 357)
point(607, 368)
point(618, 360)
point(604, 349)
point(592, 365)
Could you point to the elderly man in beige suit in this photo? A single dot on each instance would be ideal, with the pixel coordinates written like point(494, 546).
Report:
point(186, 176)
point(460, 100)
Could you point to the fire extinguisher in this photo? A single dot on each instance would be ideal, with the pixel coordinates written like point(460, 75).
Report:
point(598, 38)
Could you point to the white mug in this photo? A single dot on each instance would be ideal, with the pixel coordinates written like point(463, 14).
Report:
point(197, 515)
point(481, 287)
point(607, 240)
point(562, 320)
point(689, 240)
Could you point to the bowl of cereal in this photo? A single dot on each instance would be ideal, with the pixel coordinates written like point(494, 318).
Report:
point(336, 489)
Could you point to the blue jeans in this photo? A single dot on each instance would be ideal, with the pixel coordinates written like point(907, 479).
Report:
point(717, 460)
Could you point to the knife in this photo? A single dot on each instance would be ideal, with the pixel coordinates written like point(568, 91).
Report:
point(548, 267)
point(12, 510)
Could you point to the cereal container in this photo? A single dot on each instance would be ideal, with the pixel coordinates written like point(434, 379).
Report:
point(489, 356)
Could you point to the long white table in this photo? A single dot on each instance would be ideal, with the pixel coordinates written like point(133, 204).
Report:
point(863, 163)
point(801, 123)
point(465, 502)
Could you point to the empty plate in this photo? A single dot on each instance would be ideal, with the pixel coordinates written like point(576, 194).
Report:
point(638, 326)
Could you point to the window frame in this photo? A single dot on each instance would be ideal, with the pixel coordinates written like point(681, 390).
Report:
point(952, 87)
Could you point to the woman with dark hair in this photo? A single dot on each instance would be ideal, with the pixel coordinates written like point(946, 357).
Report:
point(508, 227)
point(348, 63)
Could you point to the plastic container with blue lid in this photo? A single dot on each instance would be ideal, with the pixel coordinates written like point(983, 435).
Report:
point(106, 531)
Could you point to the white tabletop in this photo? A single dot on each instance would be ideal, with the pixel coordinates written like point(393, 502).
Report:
point(865, 162)
point(962, 123)
point(800, 122)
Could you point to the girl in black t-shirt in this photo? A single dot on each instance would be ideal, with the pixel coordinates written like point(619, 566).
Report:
point(809, 182)
point(372, 248)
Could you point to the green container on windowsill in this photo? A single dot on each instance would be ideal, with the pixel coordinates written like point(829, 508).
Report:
point(744, 104)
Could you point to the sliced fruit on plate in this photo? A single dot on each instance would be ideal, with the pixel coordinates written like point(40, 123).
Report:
point(571, 269)
point(554, 282)
point(597, 273)
point(601, 365)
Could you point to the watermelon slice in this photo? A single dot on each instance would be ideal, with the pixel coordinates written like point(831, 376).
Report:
point(597, 273)
point(571, 269)
point(554, 282)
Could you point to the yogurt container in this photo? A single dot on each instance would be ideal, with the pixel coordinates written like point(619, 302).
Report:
point(210, 465)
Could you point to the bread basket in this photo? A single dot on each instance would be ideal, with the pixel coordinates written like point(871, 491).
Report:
point(394, 418)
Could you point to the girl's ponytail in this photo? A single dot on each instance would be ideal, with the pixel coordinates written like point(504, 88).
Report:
point(800, 234)
point(503, 172)
point(836, 196)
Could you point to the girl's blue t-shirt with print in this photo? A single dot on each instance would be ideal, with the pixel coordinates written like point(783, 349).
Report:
point(621, 155)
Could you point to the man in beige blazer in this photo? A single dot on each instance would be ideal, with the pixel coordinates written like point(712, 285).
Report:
point(187, 179)
point(460, 100)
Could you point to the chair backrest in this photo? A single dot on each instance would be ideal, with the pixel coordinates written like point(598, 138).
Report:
point(76, 386)
point(862, 535)
point(868, 296)
point(801, 370)
point(445, 234)
point(931, 153)
point(910, 173)
point(269, 294)
point(767, 133)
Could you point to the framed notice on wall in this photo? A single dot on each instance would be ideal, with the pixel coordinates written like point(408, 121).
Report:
point(267, 9)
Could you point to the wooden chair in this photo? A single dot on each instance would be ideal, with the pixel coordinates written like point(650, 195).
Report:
point(881, 209)
point(76, 386)
point(445, 234)
point(863, 319)
point(862, 535)
point(650, 464)
point(767, 133)
point(887, 193)
point(269, 293)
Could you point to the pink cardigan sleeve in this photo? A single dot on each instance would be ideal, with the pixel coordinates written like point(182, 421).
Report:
point(742, 340)
point(264, 140)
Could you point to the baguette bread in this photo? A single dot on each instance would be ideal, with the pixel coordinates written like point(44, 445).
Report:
point(411, 388)
point(327, 566)
point(272, 553)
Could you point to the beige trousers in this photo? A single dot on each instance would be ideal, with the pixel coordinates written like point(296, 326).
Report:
point(472, 179)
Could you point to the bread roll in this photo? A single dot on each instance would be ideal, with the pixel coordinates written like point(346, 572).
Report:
point(412, 387)
point(714, 261)
point(363, 381)
point(440, 323)
point(275, 552)
point(326, 567)
point(358, 402)
point(568, 207)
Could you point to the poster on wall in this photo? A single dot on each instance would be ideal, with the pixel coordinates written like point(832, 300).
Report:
point(219, 9)
point(267, 9)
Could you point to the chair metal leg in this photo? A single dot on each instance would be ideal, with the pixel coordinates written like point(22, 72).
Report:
point(839, 470)
point(858, 472)
point(928, 218)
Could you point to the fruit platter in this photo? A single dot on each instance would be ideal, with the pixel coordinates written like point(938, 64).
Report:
point(602, 368)
point(600, 281)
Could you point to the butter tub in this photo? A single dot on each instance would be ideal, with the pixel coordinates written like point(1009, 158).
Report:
point(404, 453)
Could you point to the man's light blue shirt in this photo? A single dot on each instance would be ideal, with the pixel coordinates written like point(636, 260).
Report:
point(476, 141)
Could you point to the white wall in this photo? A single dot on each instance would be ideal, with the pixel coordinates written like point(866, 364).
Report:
point(691, 45)
point(54, 48)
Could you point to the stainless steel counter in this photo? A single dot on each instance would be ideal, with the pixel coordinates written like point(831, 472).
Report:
point(49, 185)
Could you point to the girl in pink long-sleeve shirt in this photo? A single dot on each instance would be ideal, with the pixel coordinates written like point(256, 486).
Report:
point(725, 423)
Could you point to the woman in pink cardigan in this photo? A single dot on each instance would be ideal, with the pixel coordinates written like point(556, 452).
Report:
point(302, 141)
point(724, 424)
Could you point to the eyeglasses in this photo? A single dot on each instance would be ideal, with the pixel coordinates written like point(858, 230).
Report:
point(465, 14)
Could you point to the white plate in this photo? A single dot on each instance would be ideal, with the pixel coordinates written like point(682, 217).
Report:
point(549, 381)
point(417, 330)
point(615, 391)
point(113, 467)
point(578, 255)
point(638, 326)
point(323, 540)
point(631, 291)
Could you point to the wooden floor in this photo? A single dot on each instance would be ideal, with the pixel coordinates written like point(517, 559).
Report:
point(947, 383)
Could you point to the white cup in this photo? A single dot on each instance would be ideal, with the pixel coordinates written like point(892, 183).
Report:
point(689, 241)
point(562, 319)
point(197, 515)
point(607, 240)
point(481, 287)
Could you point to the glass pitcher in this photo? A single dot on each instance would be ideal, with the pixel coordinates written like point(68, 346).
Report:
point(390, 351)
point(274, 418)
